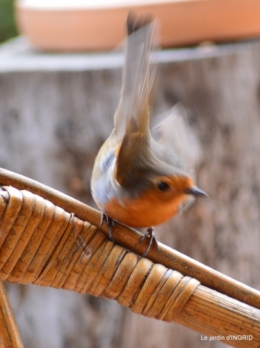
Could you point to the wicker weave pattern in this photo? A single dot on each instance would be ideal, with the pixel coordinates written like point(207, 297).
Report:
point(45, 245)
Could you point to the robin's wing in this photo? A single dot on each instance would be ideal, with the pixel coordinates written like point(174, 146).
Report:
point(138, 73)
point(178, 141)
point(132, 117)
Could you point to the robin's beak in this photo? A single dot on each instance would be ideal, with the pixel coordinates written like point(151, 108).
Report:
point(195, 191)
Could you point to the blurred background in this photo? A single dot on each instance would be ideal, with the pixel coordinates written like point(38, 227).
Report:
point(7, 21)
point(59, 88)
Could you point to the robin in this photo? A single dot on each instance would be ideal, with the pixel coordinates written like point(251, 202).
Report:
point(139, 180)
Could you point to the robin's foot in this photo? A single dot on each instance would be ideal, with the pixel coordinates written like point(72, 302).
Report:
point(110, 225)
point(149, 234)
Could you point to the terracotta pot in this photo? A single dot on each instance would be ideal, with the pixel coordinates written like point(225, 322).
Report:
point(82, 26)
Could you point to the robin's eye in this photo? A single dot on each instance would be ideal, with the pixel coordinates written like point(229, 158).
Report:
point(163, 186)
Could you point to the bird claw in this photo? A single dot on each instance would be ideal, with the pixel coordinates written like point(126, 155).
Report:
point(149, 234)
point(110, 223)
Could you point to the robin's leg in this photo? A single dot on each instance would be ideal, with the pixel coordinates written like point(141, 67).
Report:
point(149, 234)
point(110, 225)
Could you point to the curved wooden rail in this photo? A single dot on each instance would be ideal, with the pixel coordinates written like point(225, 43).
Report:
point(50, 239)
point(128, 237)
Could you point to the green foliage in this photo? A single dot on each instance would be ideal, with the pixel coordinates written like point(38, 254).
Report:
point(7, 20)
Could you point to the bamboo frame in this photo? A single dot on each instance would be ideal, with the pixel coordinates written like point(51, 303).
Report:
point(9, 334)
point(50, 246)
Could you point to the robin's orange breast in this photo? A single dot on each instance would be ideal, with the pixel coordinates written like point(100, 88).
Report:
point(145, 210)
